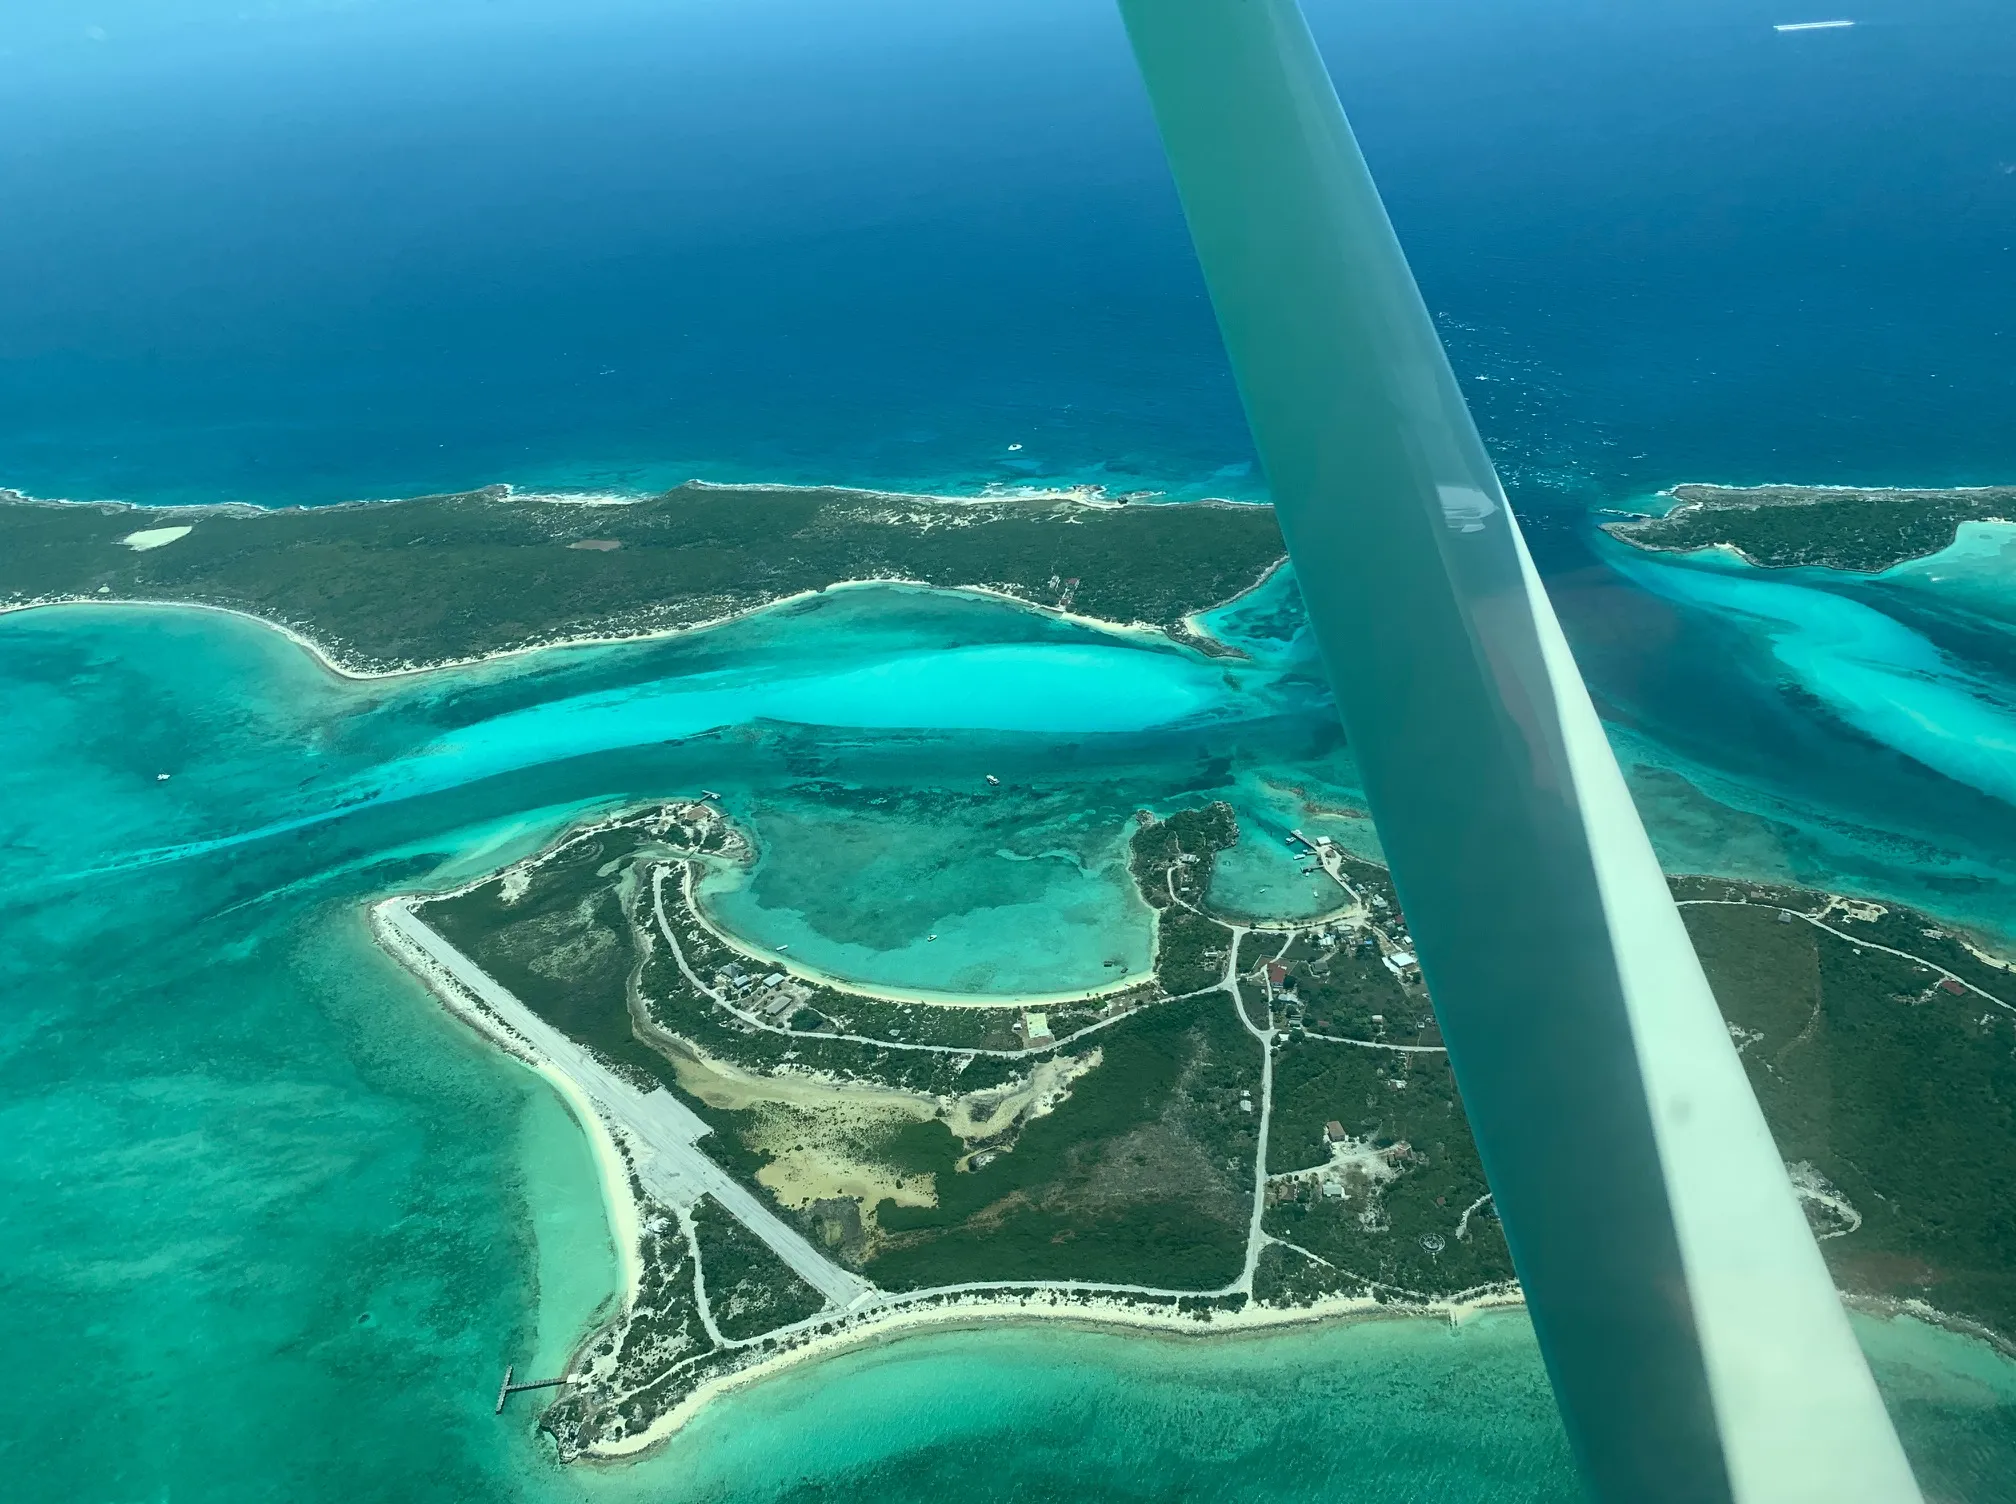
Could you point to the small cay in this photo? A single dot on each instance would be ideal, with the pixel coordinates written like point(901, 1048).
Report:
point(1863, 530)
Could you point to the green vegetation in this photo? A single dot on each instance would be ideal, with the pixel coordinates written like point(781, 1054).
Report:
point(653, 1347)
point(559, 935)
point(1834, 528)
point(827, 1012)
point(1890, 1085)
point(1408, 1173)
point(750, 1290)
point(562, 946)
point(1141, 1176)
point(671, 1003)
point(434, 578)
point(1897, 1093)
point(1346, 991)
point(1172, 860)
point(1257, 947)
point(1287, 1277)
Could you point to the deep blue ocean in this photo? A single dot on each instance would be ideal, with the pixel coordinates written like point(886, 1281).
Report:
point(307, 250)
point(275, 1225)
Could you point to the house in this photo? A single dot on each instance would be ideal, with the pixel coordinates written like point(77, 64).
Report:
point(1277, 974)
point(1403, 965)
point(1333, 1132)
point(1035, 1030)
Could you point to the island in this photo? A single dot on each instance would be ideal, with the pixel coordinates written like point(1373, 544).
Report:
point(1264, 1128)
point(395, 586)
point(1863, 530)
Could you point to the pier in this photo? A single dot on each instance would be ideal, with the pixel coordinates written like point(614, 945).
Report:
point(507, 1389)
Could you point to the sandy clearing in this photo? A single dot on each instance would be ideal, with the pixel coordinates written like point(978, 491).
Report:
point(155, 537)
point(720, 1084)
point(986, 1114)
point(817, 1154)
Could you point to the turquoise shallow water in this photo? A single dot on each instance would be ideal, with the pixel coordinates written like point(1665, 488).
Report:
point(1974, 574)
point(285, 1223)
point(968, 879)
point(1810, 726)
point(1366, 1413)
point(1873, 672)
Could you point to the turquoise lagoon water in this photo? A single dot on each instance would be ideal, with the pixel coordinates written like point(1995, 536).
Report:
point(1869, 670)
point(1811, 726)
point(277, 1224)
point(967, 881)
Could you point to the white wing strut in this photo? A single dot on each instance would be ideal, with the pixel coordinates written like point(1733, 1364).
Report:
point(1696, 1344)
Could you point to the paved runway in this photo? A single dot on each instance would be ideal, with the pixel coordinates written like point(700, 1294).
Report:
point(671, 1165)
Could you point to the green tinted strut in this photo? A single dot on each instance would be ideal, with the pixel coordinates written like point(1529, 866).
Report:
point(1696, 1344)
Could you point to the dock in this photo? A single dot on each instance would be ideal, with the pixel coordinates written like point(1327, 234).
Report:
point(507, 1388)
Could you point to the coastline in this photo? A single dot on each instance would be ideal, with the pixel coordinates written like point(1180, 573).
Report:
point(1801, 485)
point(894, 1325)
point(897, 1322)
point(1084, 493)
point(885, 1315)
point(619, 1202)
point(895, 1316)
point(800, 969)
point(1670, 493)
point(326, 658)
point(1627, 523)
point(920, 995)
point(1186, 632)
point(900, 1320)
